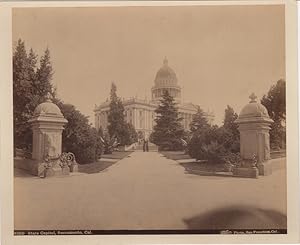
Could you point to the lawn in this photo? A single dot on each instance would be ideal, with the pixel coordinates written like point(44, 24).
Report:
point(203, 166)
point(94, 167)
point(178, 155)
point(278, 154)
point(193, 165)
point(101, 165)
point(117, 155)
point(175, 155)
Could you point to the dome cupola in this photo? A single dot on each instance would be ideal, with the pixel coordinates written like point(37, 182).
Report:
point(165, 75)
point(166, 79)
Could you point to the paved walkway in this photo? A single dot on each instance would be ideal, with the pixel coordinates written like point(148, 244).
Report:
point(147, 191)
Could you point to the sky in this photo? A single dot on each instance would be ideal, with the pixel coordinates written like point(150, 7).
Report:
point(220, 54)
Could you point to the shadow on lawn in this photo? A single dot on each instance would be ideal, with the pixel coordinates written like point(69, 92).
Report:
point(94, 167)
point(238, 217)
point(203, 168)
point(175, 155)
point(117, 155)
point(20, 173)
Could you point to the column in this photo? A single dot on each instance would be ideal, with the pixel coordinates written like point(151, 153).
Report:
point(135, 118)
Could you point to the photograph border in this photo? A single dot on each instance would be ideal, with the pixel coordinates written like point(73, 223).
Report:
point(6, 132)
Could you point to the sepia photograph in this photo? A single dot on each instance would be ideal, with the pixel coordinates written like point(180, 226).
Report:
point(150, 120)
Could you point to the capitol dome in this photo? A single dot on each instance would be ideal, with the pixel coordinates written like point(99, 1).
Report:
point(165, 76)
point(166, 80)
point(47, 108)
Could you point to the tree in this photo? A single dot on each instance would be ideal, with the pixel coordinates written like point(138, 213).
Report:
point(116, 123)
point(168, 131)
point(98, 143)
point(199, 120)
point(205, 145)
point(31, 84)
point(21, 93)
point(141, 135)
point(100, 131)
point(229, 132)
point(275, 102)
point(229, 120)
point(133, 136)
point(44, 74)
point(30, 88)
point(212, 143)
point(79, 137)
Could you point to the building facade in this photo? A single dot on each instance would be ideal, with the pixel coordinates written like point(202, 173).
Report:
point(141, 113)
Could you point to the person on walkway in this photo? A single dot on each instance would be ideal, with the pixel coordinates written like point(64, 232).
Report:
point(145, 145)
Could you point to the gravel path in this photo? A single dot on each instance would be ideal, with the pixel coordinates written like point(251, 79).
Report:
point(148, 191)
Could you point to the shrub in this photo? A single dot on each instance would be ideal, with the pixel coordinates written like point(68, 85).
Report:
point(230, 140)
point(109, 143)
point(201, 144)
point(233, 158)
point(79, 137)
point(216, 145)
point(213, 152)
point(171, 144)
point(213, 143)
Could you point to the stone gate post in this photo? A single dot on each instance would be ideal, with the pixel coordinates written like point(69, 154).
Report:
point(47, 126)
point(254, 126)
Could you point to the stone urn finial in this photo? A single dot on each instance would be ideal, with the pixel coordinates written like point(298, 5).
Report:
point(165, 62)
point(253, 98)
point(48, 97)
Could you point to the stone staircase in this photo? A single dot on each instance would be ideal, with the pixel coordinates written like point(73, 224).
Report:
point(151, 146)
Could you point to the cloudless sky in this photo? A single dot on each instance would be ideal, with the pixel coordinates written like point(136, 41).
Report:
point(221, 54)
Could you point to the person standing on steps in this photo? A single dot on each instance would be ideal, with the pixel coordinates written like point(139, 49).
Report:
point(145, 145)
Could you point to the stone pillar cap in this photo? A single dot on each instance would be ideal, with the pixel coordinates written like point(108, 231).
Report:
point(47, 107)
point(254, 111)
point(48, 112)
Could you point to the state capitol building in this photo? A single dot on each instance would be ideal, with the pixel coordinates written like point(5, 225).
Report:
point(141, 113)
